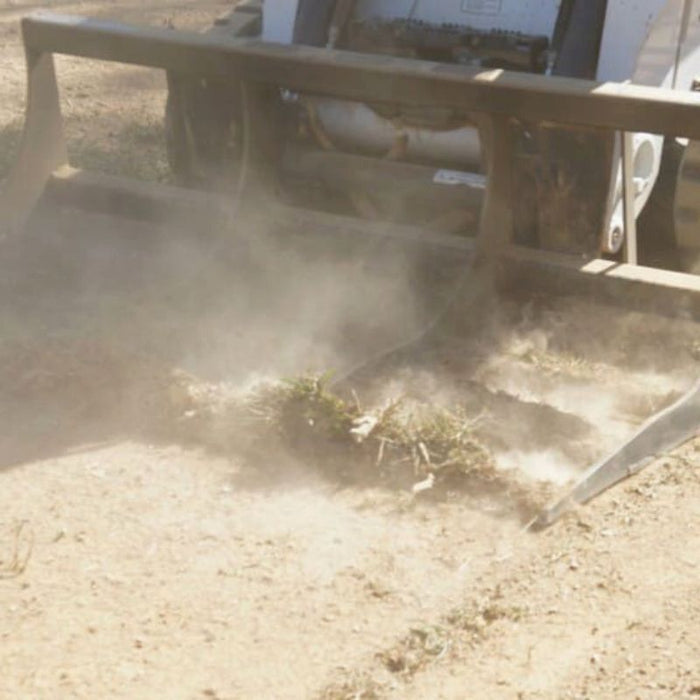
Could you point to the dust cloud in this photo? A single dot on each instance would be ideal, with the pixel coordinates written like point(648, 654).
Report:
point(97, 312)
point(604, 366)
point(554, 384)
point(247, 298)
point(114, 307)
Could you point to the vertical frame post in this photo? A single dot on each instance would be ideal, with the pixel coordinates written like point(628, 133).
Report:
point(628, 196)
point(43, 147)
point(496, 225)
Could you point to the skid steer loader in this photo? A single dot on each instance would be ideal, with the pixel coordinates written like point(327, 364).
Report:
point(561, 178)
point(549, 146)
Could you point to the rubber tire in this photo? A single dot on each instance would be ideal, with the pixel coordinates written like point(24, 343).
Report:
point(656, 227)
point(198, 118)
point(199, 114)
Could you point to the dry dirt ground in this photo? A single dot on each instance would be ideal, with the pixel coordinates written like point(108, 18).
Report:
point(136, 563)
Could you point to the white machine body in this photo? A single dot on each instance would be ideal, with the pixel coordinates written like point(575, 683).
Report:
point(649, 42)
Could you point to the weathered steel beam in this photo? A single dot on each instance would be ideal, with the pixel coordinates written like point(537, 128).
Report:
point(435, 189)
point(662, 433)
point(157, 203)
point(368, 78)
point(668, 293)
point(664, 291)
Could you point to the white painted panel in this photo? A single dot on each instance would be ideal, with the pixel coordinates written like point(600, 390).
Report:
point(278, 20)
point(689, 67)
point(656, 58)
point(628, 27)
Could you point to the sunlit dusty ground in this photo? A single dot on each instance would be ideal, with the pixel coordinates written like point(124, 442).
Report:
point(135, 562)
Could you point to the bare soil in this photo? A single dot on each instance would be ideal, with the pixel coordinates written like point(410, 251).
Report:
point(139, 560)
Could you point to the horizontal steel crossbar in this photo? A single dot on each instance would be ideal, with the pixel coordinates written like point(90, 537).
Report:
point(370, 78)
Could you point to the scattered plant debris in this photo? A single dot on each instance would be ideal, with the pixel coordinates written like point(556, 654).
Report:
point(404, 443)
point(20, 551)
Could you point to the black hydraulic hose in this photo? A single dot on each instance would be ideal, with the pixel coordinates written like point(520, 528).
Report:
point(472, 284)
point(578, 38)
point(313, 21)
point(246, 140)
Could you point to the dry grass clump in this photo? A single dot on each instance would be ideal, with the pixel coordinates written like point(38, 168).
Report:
point(558, 362)
point(402, 442)
point(467, 625)
point(354, 686)
point(303, 409)
point(14, 558)
point(427, 644)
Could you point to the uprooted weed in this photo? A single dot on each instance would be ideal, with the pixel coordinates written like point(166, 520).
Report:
point(401, 444)
point(399, 440)
point(311, 422)
point(405, 444)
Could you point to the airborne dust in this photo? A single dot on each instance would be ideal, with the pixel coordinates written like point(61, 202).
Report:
point(161, 330)
point(160, 562)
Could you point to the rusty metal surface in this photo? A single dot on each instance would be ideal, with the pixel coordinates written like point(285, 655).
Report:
point(497, 98)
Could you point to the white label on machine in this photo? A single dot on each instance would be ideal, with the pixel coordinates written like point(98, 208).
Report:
point(482, 7)
point(458, 177)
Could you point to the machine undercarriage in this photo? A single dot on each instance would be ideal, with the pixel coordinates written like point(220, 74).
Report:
point(569, 187)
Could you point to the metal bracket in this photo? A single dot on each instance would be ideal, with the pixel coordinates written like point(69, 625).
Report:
point(42, 150)
point(496, 226)
point(628, 196)
point(663, 432)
